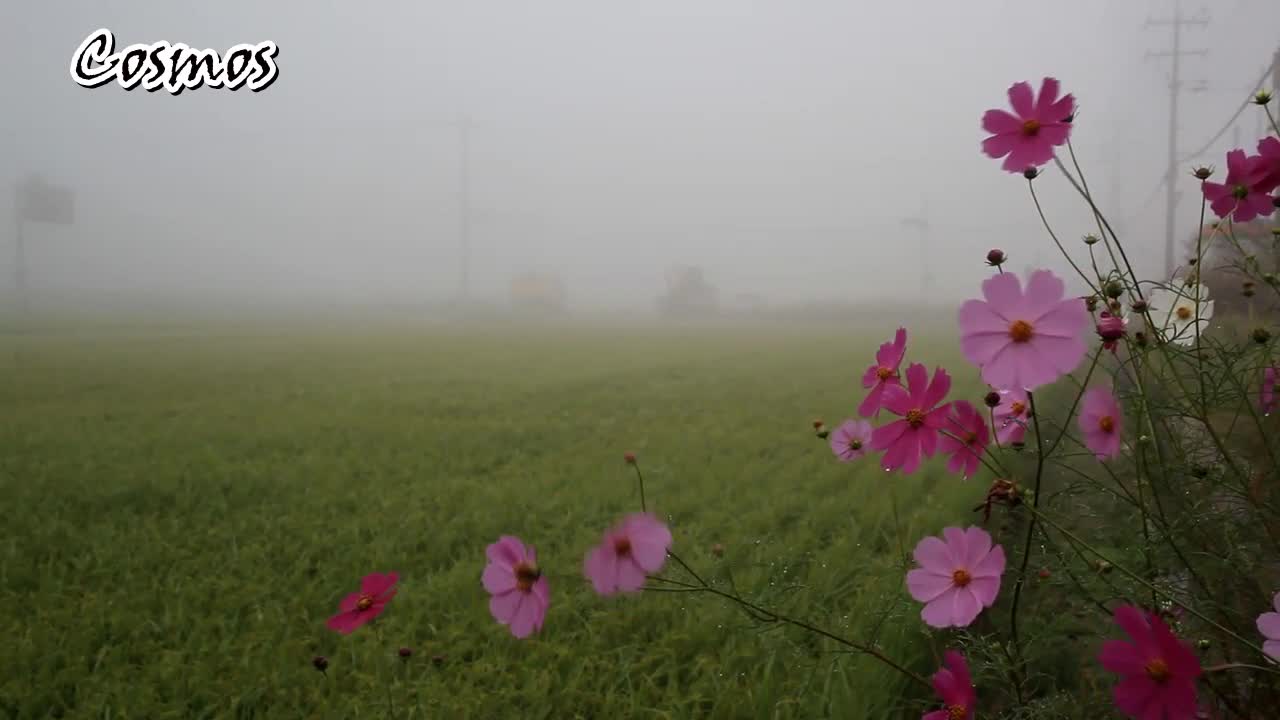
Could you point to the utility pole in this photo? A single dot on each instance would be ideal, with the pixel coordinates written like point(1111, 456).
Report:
point(1175, 86)
point(921, 223)
point(464, 209)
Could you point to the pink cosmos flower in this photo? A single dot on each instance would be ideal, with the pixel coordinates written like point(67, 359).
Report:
point(358, 608)
point(1012, 415)
point(850, 441)
point(1243, 196)
point(519, 594)
point(1159, 671)
point(1101, 421)
point(956, 578)
point(954, 685)
point(630, 551)
point(883, 373)
point(1026, 137)
point(1269, 165)
point(1269, 626)
point(1111, 328)
point(915, 436)
point(965, 439)
point(1023, 340)
point(1267, 401)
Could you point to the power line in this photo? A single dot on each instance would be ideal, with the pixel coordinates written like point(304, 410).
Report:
point(1248, 100)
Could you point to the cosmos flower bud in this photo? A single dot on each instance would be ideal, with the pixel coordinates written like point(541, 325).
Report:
point(1114, 289)
point(823, 434)
point(1261, 335)
point(1262, 98)
point(437, 660)
point(320, 663)
point(1140, 306)
point(1031, 173)
point(1202, 173)
point(1091, 303)
point(717, 550)
point(406, 653)
point(1140, 338)
point(992, 399)
point(1110, 327)
point(1090, 239)
point(630, 458)
point(1246, 288)
point(995, 257)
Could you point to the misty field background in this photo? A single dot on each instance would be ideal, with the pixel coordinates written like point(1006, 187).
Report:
point(185, 505)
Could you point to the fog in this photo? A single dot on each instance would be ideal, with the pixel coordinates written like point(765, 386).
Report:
point(778, 145)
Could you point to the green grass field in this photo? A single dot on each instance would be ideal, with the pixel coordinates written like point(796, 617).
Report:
point(184, 509)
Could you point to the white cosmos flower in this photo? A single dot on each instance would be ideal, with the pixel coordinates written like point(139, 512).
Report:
point(1174, 312)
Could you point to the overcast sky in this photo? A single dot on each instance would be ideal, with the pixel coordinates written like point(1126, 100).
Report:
point(777, 144)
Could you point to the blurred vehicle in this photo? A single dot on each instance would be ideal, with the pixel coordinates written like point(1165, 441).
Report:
point(538, 293)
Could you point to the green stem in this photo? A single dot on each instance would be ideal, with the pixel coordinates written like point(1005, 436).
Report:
point(1142, 581)
point(1031, 527)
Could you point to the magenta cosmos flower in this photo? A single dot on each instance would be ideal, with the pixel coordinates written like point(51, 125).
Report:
point(1023, 339)
point(1243, 196)
point(957, 577)
point(630, 551)
point(1269, 626)
point(519, 594)
point(1101, 421)
point(954, 685)
point(1012, 415)
point(1159, 671)
point(1267, 398)
point(1268, 164)
point(915, 436)
point(1026, 137)
point(965, 438)
point(358, 608)
point(883, 373)
point(851, 440)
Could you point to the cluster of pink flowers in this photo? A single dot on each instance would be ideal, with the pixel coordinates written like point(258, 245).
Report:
point(1021, 336)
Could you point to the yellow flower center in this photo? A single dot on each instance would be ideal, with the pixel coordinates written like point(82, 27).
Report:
point(1018, 408)
point(1031, 128)
point(915, 417)
point(1107, 423)
point(957, 712)
point(884, 373)
point(1184, 313)
point(961, 577)
point(970, 438)
point(364, 603)
point(855, 444)
point(526, 576)
point(1020, 331)
point(1158, 670)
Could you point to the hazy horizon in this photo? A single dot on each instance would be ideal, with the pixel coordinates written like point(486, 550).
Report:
point(778, 146)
